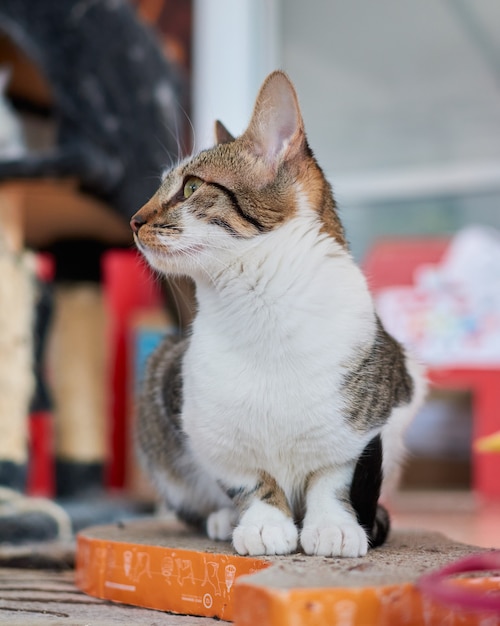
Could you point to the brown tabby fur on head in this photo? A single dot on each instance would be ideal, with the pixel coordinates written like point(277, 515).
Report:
point(259, 172)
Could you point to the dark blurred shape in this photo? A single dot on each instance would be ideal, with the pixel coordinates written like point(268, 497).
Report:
point(112, 92)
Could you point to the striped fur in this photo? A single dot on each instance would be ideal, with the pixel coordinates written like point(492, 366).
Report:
point(280, 419)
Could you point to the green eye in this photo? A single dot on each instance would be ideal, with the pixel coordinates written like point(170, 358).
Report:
point(191, 186)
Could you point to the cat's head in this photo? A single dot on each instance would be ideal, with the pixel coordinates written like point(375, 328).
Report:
point(229, 197)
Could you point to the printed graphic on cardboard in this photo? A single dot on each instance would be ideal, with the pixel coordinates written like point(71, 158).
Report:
point(198, 583)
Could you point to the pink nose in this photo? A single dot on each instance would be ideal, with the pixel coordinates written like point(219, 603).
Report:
point(136, 222)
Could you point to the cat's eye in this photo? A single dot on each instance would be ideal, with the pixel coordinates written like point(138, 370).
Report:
point(191, 185)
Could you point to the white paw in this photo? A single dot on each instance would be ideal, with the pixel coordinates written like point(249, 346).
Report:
point(344, 538)
point(268, 536)
point(220, 524)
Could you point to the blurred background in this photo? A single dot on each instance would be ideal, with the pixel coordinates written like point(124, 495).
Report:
point(401, 103)
point(400, 100)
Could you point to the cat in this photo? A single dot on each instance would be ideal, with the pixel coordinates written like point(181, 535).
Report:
point(274, 422)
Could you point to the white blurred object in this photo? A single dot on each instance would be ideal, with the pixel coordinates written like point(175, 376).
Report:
point(12, 143)
point(450, 316)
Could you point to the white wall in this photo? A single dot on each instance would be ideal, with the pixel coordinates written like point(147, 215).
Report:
point(236, 44)
point(399, 98)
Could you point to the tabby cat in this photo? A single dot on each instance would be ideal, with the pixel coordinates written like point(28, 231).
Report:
point(275, 420)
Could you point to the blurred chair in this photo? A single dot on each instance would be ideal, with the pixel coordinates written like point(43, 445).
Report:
point(392, 262)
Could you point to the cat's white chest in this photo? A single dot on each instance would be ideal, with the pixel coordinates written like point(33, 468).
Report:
point(262, 385)
point(246, 418)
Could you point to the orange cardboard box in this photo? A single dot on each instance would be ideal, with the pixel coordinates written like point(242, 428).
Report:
point(162, 565)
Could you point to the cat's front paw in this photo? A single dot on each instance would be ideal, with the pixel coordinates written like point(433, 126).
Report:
point(265, 538)
point(333, 538)
point(272, 533)
point(220, 524)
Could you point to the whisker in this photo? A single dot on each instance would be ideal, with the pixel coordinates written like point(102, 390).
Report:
point(173, 160)
point(190, 123)
point(177, 133)
point(211, 240)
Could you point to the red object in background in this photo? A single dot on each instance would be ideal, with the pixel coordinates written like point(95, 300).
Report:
point(128, 285)
point(392, 263)
point(45, 267)
point(41, 470)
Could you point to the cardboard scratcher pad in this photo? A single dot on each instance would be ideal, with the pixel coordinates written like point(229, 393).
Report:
point(163, 565)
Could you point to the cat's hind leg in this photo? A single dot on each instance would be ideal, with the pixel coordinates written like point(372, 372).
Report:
point(266, 524)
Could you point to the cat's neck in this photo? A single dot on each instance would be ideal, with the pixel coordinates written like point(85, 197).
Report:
point(295, 276)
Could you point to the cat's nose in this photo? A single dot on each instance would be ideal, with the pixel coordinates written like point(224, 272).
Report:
point(136, 222)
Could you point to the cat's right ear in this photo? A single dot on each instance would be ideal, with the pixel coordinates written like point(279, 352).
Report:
point(276, 130)
point(222, 135)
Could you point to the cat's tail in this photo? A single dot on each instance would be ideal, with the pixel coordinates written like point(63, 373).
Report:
point(365, 493)
point(381, 527)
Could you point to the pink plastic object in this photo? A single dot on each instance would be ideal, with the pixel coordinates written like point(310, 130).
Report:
point(440, 587)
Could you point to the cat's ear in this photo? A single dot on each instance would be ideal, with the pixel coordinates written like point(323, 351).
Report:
point(222, 135)
point(276, 130)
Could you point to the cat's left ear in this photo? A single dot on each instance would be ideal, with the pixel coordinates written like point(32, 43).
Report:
point(222, 135)
point(276, 130)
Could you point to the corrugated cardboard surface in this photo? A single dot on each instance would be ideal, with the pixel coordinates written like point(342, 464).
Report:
point(162, 565)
